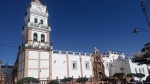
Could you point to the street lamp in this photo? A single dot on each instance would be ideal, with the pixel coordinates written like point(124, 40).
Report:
point(144, 10)
point(136, 30)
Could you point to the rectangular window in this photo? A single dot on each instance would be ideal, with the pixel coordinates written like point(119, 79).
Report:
point(63, 52)
point(143, 70)
point(140, 70)
point(107, 56)
point(76, 53)
point(88, 54)
point(70, 52)
point(74, 64)
point(87, 65)
point(82, 53)
point(135, 70)
point(107, 65)
point(56, 52)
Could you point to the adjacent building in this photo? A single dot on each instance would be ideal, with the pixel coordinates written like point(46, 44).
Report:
point(1, 74)
point(7, 71)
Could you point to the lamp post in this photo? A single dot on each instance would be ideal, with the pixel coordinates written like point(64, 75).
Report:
point(144, 10)
point(136, 30)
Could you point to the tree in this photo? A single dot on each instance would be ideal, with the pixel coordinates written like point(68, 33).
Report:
point(139, 75)
point(28, 80)
point(145, 58)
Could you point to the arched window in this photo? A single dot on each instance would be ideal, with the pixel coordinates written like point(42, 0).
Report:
point(35, 20)
point(42, 38)
point(35, 36)
point(41, 21)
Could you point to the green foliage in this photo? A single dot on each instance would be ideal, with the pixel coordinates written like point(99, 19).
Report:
point(143, 59)
point(82, 80)
point(118, 75)
point(28, 80)
point(148, 78)
point(67, 79)
point(131, 75)
point(139, 75)
point(53, 82)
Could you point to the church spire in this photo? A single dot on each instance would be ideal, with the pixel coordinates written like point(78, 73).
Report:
point(37, 1)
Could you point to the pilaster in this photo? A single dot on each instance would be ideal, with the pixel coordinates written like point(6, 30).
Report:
point(50, 65)
point(26, 60)
point(67, 62)
point(81, 66)
point(39, 69)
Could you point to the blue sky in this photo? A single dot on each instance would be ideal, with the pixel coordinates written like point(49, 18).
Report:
point(78, 25)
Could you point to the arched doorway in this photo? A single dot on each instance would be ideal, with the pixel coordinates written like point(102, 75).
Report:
point(100, 75)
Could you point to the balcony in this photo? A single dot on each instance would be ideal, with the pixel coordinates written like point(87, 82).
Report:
point(37, 26)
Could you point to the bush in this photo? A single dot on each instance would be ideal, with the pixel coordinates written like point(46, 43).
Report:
point(118, 75)
point(131, 75)
point(148, 78)
point(105, 79)
point(53, 82)
point(139, 75)
point(67, 79)
point(28, 80)
point(82, 80)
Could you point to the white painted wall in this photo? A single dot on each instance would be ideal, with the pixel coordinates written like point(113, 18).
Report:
point(44, 55)
point(44, 64)
point(33, 64)
point(86, 72)
point(33, 55)
point(21, 65)
point(134, 66)
point(59, 66)
point(74, 72)
point(107, 65)
point(33, 73)
point(44, 74)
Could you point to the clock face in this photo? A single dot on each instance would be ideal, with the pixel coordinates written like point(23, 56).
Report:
point(39, 9)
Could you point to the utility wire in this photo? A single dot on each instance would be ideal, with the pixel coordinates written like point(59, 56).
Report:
point(122, 45)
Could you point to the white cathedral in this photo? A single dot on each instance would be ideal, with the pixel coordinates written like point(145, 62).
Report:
point(37, 59)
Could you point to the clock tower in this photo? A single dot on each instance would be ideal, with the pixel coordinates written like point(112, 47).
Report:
point(35, 52)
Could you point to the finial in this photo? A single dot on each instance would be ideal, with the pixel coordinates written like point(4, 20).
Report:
point(37, 1)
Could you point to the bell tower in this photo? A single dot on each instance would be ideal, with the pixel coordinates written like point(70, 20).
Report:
point(36, 30)
point(34, 56)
